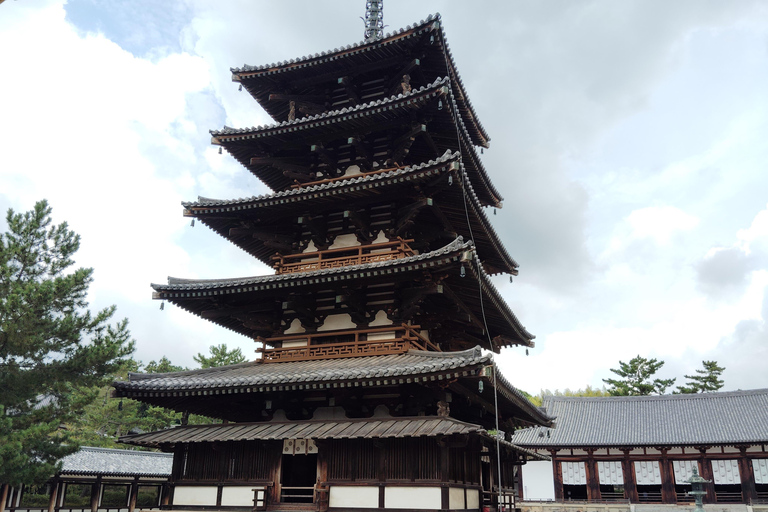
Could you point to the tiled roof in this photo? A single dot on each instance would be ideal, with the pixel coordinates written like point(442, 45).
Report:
point(500, 317)
point(440, 86)
point(359, 50)
point(370, 428)
point(258, 282)
point(233, 138)
point(668, 420)
point(359, 182)
point(302, 192)
point(305, 374)
point(412, 367)
point(112, 462)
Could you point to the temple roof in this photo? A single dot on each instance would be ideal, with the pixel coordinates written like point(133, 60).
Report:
point(371, 371)
point(112, 462)
point(394, 50)
point(369, 428)
point(268, 210)
point(724, 418)
point(285, 138)
point(195, 295)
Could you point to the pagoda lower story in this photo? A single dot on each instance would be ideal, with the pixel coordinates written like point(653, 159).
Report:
point(374, 385)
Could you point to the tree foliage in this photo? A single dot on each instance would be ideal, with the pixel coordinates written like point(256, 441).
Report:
point(587, 392)
point(707, 379)
point(636, 378)
point(220, 356)
point(51, 345)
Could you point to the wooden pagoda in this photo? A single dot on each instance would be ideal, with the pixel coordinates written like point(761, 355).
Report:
point(371, 389)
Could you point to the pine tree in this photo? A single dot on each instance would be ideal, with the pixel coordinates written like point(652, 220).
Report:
point(708, 379)
point(220, 356)
point(51, 345)
point(636, 378)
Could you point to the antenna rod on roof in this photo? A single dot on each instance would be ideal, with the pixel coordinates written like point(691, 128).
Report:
point(374, 19)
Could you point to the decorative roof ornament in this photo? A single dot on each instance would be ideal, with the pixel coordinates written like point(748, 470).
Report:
point(374, 20)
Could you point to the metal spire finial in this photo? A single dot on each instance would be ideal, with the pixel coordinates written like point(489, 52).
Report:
point(374, 19)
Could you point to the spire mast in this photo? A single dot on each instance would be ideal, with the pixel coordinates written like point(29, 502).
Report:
point(374, 19)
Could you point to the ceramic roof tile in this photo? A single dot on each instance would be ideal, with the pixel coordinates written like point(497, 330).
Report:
point(108, 461)
point(668, 420)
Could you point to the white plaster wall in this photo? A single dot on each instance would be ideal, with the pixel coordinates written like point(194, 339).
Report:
point(194, 495)
point(238, 496)
point(294, 343)
point(348, 240)
point(295, 328)
point(456, 498)
point(336, 322)
point(538, 480)
point(379, 336)
point(380, 320)
point(473, 499)
point(353, 497)
point(420, 498)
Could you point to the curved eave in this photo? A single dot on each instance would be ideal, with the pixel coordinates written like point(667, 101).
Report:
point(243, 143)
point(197, 296)
point(398, 46)
point(222, 215)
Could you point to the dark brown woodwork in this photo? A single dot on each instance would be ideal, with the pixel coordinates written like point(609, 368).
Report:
point(364, 152)
point(630, 482)
point(746, 471)
point(95, 491)
point(593, 479)
point(283, 163)
point(668, 494)
point(705, 470)
point(349, 87)
point(299, 98)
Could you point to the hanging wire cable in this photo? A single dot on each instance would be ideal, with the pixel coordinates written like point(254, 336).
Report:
point(464, 187)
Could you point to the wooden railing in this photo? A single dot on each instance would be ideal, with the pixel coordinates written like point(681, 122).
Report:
point(342, 257)
point(320, 345)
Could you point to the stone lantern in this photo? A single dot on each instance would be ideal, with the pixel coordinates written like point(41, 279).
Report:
point(698, 490)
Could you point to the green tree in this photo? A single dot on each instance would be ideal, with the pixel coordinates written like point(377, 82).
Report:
point(51, 345)
point(707, 379)
point(589, 391)
point(636, 378)
point(220, 356)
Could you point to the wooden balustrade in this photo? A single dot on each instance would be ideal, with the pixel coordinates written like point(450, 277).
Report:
point(319, 346)
point(342, 257)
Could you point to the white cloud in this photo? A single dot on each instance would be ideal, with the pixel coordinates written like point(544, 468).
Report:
point(660, 222)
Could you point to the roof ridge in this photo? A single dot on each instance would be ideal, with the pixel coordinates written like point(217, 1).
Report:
point(122, 451)
point(456, 245)
point(250, 68)
point(652, 398)
point(437, 83)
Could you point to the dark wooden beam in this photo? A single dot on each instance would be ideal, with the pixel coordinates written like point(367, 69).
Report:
point(299, 98)
point(463, 307)
point(325, 155)
point(282, 163)
point(354, 97)
point(364, 152)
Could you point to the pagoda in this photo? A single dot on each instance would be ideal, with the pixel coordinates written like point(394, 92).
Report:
point(374, 385)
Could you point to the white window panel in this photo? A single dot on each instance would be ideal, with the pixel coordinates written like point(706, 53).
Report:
point(684, 470)
point(760, 467)
point(574, 473)
point(647, 472)
point(610, 472)
point(726, 472)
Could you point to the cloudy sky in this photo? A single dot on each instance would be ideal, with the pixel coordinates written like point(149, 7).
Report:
point(629, 140)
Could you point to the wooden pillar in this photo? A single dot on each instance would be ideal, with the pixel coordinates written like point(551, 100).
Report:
point(134, 490)
point(55, 485)
point(668, 494)
point(95, 491)
point(746, 471)
point(593, 479)
point(630, 482)
point(165, 494)
point(3, 496)
point(705, 470)
point(557, 471)
point(444, 470)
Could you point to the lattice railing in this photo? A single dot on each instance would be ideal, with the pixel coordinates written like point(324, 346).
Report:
point(342, 257)
point(322, 345)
